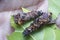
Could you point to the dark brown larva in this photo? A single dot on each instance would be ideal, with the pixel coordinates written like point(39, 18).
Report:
point(20, 18)
point(45, 18)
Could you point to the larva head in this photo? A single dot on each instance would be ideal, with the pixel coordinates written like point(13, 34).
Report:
point(19, 18)
point(26, 32)
point(16, 18)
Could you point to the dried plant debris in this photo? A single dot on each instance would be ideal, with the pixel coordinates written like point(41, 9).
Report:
point(21, 18)
point(45, 18)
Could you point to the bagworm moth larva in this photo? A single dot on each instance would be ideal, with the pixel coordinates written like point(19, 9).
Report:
point(20, 18)
point(45, 18)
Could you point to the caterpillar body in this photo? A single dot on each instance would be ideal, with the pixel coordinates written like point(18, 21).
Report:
point(20, 18)
point(45, 18)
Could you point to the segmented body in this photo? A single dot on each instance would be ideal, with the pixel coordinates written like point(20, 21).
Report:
point(20, 18)
point(38, 22)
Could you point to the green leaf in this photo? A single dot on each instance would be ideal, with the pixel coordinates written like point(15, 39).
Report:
point(49, 32)
point(18, 36)
point(57, 32)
